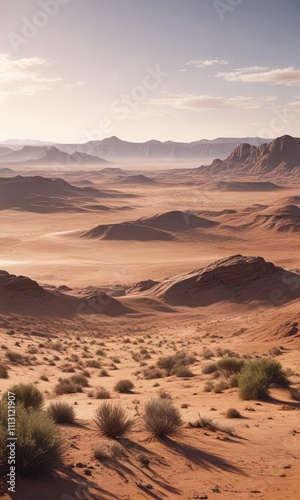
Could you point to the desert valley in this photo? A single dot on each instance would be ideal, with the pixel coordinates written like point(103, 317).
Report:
point(155, 280)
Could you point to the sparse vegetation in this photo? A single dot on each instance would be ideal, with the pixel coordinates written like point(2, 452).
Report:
point(112, 420)
point(108, 450)
point(3, 371)
point(28, 395)
point(162, 418)
point(177, 364)
point(232, 413)
point(40, 448)
point(124, 386)
point(207, 423)
point(229, 366)
point(16, 357)
point(62, 413)
point(67, 386)
point(102, 393)
point(295, 393)
point(258, 376)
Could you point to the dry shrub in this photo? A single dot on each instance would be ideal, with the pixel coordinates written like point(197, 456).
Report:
point(108, 450)
point(112, 420)
point(124, 386)
point(3, 371)
point(40, 448)
point(162, 418)
point(62, 413)
point(102, 393)
point(232, 413)
point(28, 395)
point(67, 386)
point(207, 423)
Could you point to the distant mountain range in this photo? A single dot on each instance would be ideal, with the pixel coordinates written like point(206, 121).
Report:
point(280, 157)
point(114, 149)
point(46, 155)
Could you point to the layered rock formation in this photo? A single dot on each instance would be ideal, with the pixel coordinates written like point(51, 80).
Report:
point(279, 157)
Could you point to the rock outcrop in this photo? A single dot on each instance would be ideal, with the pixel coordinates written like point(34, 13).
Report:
point(279, 157)
point(235, 279)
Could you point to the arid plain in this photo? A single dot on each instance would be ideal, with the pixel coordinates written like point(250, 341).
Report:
point(138, 264)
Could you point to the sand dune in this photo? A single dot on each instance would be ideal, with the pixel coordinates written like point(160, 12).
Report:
point(127, 231)
point(246, 186)
point(137, 179)
point(281, 218)
point(177, 220)
point(288, 200)
point(41, 194)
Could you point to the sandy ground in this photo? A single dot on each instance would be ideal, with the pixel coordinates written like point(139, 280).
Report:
point(262, 457)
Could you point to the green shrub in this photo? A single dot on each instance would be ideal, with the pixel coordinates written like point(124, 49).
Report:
point(258, 376)
point(40, 448)
point(162, 418)
point(3, 371)
point(28, 395)
point(62, 413)
point(229, 366)
point(124, 386)
point(112, 420)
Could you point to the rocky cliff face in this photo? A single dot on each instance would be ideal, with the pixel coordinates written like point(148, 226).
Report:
point(280, 157)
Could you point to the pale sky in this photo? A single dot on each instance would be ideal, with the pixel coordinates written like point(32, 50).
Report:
point(183, 70)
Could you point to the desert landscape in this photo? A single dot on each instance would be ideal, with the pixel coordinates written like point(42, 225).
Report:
point(168, 282)
point(149, 250)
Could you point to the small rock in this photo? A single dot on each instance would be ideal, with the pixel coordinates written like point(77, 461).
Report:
point(87, 472)
point(80, 465)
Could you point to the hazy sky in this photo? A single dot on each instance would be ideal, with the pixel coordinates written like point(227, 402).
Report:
point(75, 70)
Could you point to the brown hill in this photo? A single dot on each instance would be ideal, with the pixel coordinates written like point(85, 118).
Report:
point(281, 218)
point(288, 200)
point(21, 295)
point(246, 186)
point(280, 157)
point(127, 231)
point(235, 279)
point(177, 220)
point(41, 194)
point(42, 155)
